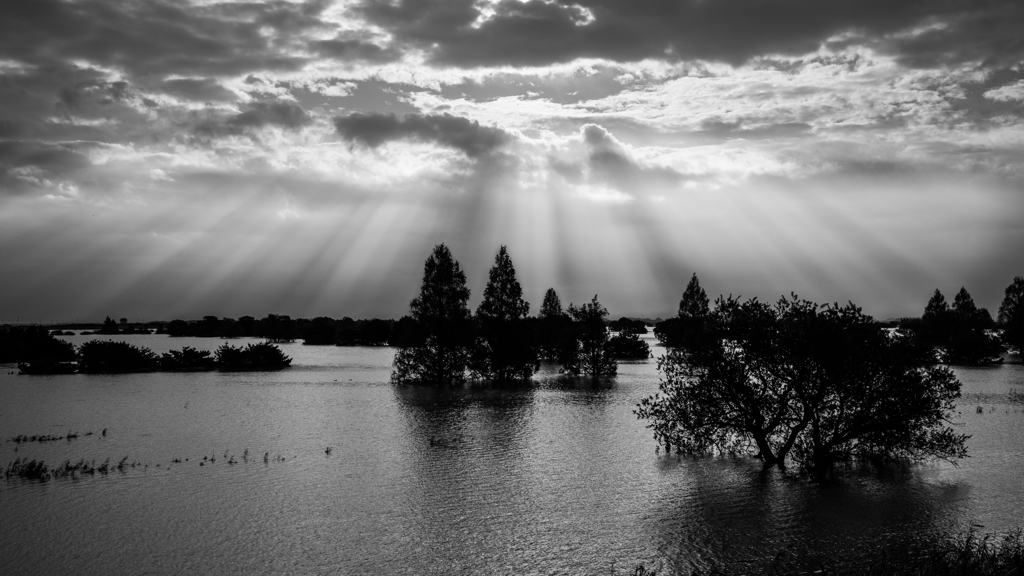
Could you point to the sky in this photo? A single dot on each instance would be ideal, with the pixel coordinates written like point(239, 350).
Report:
point(168, 159)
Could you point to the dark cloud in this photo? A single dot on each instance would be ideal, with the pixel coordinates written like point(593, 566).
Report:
point(157, 36)
point(987, 33)
point(371, 95)
point(199, 89)
point(538, 32)
point(281, 113)
point(452, 131)
point(718, 130)
point(28, 164)
point(354, 50)
point(609, 162)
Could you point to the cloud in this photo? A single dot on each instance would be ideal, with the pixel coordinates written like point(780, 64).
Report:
point(158, 36)
point(456, 132)
point(1008, 93)
point(342, 48)
point(611, 162)
point(27, 165)
point(281, 113)
point(198, 89)
point(538, 32)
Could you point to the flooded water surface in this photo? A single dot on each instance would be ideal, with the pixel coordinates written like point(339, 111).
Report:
point(555, 477)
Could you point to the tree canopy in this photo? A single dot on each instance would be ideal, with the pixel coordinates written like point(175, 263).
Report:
point(551, 306)
point(801, 382)
point(590, 352)
point(1011, 314)
point(553, 329)
point(504, 350)
point(959, 331)
point(441, 313)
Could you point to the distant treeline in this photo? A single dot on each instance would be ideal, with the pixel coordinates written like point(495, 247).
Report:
point(326, 331)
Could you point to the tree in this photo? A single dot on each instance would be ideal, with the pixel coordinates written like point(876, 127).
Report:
point(967, 342)
point(589, 351)
point(1011, 314)
point(693, 310)
point(552, 330)
point(627, 345)
point(107, 357)
point(109, 327)
point(814, 384)
point(551, 306)
point(504, 351)
point(439, 356)
point(695, 303)
point(936, 320)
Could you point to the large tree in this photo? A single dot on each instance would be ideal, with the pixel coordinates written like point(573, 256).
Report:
point(936, 322)
point(968, 342)
point(552, 330)
point(802, 382)
point(693, 311)
point(589, 351)
point(504, 349)
point(1011, 314)
point(439, 352)
point(551, 306)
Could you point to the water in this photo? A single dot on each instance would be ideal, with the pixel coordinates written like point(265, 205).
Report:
point(557, 477)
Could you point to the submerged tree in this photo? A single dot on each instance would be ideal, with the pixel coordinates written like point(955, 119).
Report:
point(968, 341)
point(589, 351)
point(959, 331)
point(815, 384)
point(440, 352)
point(553, 328)
point(107, 357)
point(936, 320)
point(1011, 314)
point(693, 311)
point(504, 349)
point(627, 345)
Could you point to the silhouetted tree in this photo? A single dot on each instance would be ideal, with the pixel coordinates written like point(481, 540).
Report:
point(1011, 314)
point(320, 332)
point(260, 356)
point(967, 342)
point(627, 345)
point(109, 327)
point(590, 352)
point(936, 322)
point(504, 349)
point(553, 328)
point(106, 357)
point(178, 328)
point(441, 312)
point(689, 320)
point(551, 306)
point(33, 344)
point(277, 328)
point(819, 384)
point(628, 326)
point(375, 332)
point(188, 359)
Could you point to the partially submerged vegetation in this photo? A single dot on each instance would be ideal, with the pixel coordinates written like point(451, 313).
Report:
point(798, 382)
point(110, 357)
point(500, 342)
point(967, 554)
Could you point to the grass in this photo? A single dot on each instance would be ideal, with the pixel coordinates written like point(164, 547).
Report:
point(968, 554)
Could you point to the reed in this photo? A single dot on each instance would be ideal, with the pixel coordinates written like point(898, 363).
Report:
point(966, 554)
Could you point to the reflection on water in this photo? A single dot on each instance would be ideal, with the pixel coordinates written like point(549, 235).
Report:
point(553, 477)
